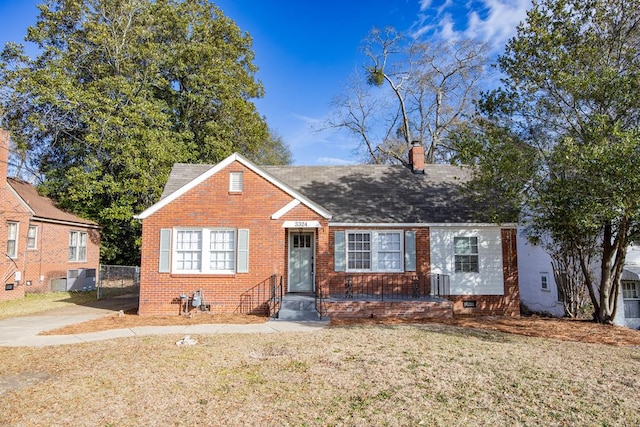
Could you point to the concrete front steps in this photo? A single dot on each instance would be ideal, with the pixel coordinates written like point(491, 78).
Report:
point(298, 307)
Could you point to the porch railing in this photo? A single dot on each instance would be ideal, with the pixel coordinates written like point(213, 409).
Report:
point(263, 298)
point(388, 287)
point(321, 308)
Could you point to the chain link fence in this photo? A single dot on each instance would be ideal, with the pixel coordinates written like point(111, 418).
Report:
point(116, 280)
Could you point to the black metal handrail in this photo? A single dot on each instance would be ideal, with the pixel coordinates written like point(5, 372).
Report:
point(263, 298)
point(276, 296)
point(321, 308)
point(388, 286)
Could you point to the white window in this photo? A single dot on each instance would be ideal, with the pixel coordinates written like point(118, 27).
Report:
point(466, 254)
point(188, 250)
point(389, 252)
point(380, 251)
point(77, 246)
point(208, 251)
point(544, 281)
point(631, 297)
point(235, 182)
point(222, 256)
point(358, 251)
point(32, 237)
point(12, 239)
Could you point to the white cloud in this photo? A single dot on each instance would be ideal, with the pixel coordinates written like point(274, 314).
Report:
point(332, 161)
point(491, 21)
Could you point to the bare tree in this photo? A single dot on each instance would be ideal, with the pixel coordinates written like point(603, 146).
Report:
point(412, 90)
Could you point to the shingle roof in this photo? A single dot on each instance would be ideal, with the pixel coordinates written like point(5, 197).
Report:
point(369, 193)
point(43, 207)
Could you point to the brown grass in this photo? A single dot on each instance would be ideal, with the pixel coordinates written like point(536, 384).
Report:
point(36, 303)
point(355, 375)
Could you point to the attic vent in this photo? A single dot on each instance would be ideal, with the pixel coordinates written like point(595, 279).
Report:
point(235, 182)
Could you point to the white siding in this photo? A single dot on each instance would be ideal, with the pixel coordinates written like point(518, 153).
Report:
point(632, 260)
point(489, 280)
point(533, 260)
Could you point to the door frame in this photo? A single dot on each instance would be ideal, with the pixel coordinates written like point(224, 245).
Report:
point(290, 234)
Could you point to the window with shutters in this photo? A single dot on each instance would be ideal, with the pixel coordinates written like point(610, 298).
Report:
point(210, 251)
point(375, 251)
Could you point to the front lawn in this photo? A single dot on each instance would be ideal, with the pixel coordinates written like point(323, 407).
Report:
point(397, 375)
point(36, 303)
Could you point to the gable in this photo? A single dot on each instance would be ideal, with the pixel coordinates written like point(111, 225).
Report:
point(186, 178)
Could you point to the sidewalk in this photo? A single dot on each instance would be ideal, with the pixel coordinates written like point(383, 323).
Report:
point(23, 331)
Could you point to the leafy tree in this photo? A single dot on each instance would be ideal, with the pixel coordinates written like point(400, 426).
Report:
point(412, 90)
point(119, 91)
point(570, 95)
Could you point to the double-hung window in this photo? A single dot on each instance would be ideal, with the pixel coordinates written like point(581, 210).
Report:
point(358, 251)
point(32, 237)
point(189, 250)
point(12, 239)
point(207, 251)
point(375, 251)
point(544, 281)
point(389, 251)
point(631, 298)
point(77, 246)
point(222, 254)
point(466, 254)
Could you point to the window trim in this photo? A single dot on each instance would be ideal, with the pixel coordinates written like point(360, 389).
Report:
point(476, 254)
point(544, 281)
point(629, 300)
point(34, 237)
point(78, 246)
point(374, 251)
point(205, 250)
point(15, 238)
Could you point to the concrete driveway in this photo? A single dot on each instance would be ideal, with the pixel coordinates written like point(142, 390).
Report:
point(23, 331)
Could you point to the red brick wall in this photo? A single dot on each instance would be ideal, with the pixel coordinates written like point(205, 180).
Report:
point(211, 205)
point(50, 258)
point(400, 309)
point(326, 267)
point(11, 210)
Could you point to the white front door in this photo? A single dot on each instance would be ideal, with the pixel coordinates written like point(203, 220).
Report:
point(301, 248)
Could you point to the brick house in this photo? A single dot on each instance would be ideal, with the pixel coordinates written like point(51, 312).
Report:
point(369, 239)
point(44, 247)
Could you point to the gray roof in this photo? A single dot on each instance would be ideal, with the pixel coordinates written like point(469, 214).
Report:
point(369, 193)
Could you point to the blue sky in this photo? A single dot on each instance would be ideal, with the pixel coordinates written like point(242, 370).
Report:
point(307, 50)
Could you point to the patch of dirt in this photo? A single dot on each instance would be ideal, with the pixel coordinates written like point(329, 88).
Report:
point(533, 326)
point(130, 319)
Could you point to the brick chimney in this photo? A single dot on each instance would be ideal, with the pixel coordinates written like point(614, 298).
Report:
point(416, 157)
point(4, 155)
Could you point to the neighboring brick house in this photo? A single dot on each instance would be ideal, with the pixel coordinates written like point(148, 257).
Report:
point(44, 248)
point(224, 228)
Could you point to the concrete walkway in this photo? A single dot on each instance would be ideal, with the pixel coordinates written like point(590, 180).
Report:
point(23, 331)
